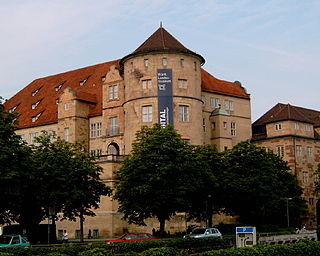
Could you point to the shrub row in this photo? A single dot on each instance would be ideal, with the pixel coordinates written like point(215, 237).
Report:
point(305, 248)
point(178, 244)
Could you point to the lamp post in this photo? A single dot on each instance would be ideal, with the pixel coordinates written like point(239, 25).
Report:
point(288, 220)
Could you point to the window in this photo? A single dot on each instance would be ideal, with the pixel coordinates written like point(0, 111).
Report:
point(83, 82)
point(77, 234)
point(204, 124)
point(233, 129)
point(183, 83)
point(113, 126)
point(296, 126)
point(32, 137)
point(103, 78)
point(66, 134)
point(311, 202)
point(146, 63)
point(113, 92)
point(182, 63)
point(309, 151)
point(35, 104)
point(277, 127)
point(225, 148)
point(184, 113)
point(35, 92)
point(225, 125)
point(203, 98)
point(213, 125)
point(147, 84)
point(164, 61)
point(59, 87)
point(96, 152)
point(13, 109)
point(308, 128)
point(305, 177)
point(280, 151)
point(214, 102)
point(228, 105)
point(67, 106)
point(316, 178)
point(35, 118)
point(95, 130)
point(95, 233)
point(195, 66)
point(299, 150)
point(147, 114)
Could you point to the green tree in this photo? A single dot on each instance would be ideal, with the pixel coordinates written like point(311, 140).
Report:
point(14, 159)
point(255, 185)
point(151, 182)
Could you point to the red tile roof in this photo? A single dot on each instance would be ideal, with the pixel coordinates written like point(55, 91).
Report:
point(212, 84)
point(282, 112)
point(162, 41)
point(47, 90)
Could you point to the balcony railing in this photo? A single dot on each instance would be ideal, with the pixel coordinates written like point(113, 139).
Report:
point(113, 131)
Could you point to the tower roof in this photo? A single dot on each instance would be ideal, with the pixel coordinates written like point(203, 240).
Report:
point(162, 41)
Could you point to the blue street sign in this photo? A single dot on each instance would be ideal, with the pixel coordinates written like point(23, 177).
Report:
point(244, 230)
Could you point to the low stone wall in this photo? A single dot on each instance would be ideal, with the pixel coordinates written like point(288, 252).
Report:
point(285, 239)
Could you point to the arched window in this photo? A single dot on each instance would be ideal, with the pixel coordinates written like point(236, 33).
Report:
point(113, 149)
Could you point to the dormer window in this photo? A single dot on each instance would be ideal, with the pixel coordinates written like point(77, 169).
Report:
point(103, 78)
point(35, 118)
point(13, 109)
point(35, 104)
point(83, 82)
point(35, 92)
point(59, 87)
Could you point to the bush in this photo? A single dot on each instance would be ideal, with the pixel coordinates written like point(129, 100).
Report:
point(97, 252)
point(162, 251)
point(305, 248)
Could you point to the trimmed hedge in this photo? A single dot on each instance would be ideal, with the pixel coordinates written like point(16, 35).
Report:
point(305, 248)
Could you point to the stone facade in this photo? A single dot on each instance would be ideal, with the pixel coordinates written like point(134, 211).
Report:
point(113, 100)
point(296, 140)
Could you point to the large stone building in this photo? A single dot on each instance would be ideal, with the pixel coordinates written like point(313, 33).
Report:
point(294, 134)
point(105, 104)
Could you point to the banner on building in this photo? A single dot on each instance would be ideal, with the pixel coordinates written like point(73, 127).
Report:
point(165, 98)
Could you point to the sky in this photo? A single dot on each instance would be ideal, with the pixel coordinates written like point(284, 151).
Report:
point(271, 46)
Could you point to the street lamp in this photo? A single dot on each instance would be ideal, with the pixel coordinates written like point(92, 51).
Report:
point(287, 199)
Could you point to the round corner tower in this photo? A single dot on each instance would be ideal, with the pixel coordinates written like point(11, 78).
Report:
point(163, 85)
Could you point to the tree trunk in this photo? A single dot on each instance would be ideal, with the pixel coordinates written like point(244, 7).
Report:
point(162, 225)
point(81, 226)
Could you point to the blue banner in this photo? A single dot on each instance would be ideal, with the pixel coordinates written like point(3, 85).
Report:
point(165, 97)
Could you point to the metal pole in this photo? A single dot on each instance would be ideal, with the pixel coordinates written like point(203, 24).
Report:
point(288, 219)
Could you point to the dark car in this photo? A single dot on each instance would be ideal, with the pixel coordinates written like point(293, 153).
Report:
point(132, 237)
point(14, 241)
point(204, 232)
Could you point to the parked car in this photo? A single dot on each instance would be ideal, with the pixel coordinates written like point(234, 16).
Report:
point(14, 241)
point(132, 237)
point(203, 233)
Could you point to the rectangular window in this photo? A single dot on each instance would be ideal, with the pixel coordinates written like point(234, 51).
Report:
point(277, 127)
point(308, 128)
point(233, 129)
point(164, 61)
point(203, 98)
point(213, 125)
point(113, 92)
point(66, 134)
point(77, 234)
point(225, 125)
point(95, 130)
point(66, 106)
point(99, 129)
point(215, 102)
point(296, 126)
point(184, 113)
point(309, 151)
point(146, 63)
point(32, 137)
point(204, 124)
point(305, 177)
point(147, 84)
point(299, 150)
point(183, 83)
point(280, 151)
point(95, 233)
point(182, 63)
point(113, 126)
point(147, 114)
point(228, 104)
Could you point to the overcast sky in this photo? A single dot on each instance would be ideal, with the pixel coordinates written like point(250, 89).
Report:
point(271, 46)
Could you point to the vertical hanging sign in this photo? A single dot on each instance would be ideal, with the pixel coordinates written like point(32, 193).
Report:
point(165, 98)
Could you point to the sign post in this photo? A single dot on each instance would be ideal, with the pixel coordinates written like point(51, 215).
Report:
point(246, 237)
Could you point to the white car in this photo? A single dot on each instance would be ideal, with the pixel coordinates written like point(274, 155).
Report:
point(204, 232)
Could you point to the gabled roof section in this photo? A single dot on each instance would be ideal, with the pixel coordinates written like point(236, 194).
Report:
point(211, 84)
point(282, 112)
point(162, 41)
point(45, 89)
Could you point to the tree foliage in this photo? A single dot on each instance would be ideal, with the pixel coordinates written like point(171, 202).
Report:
point(151, 182)
point(256, 183)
